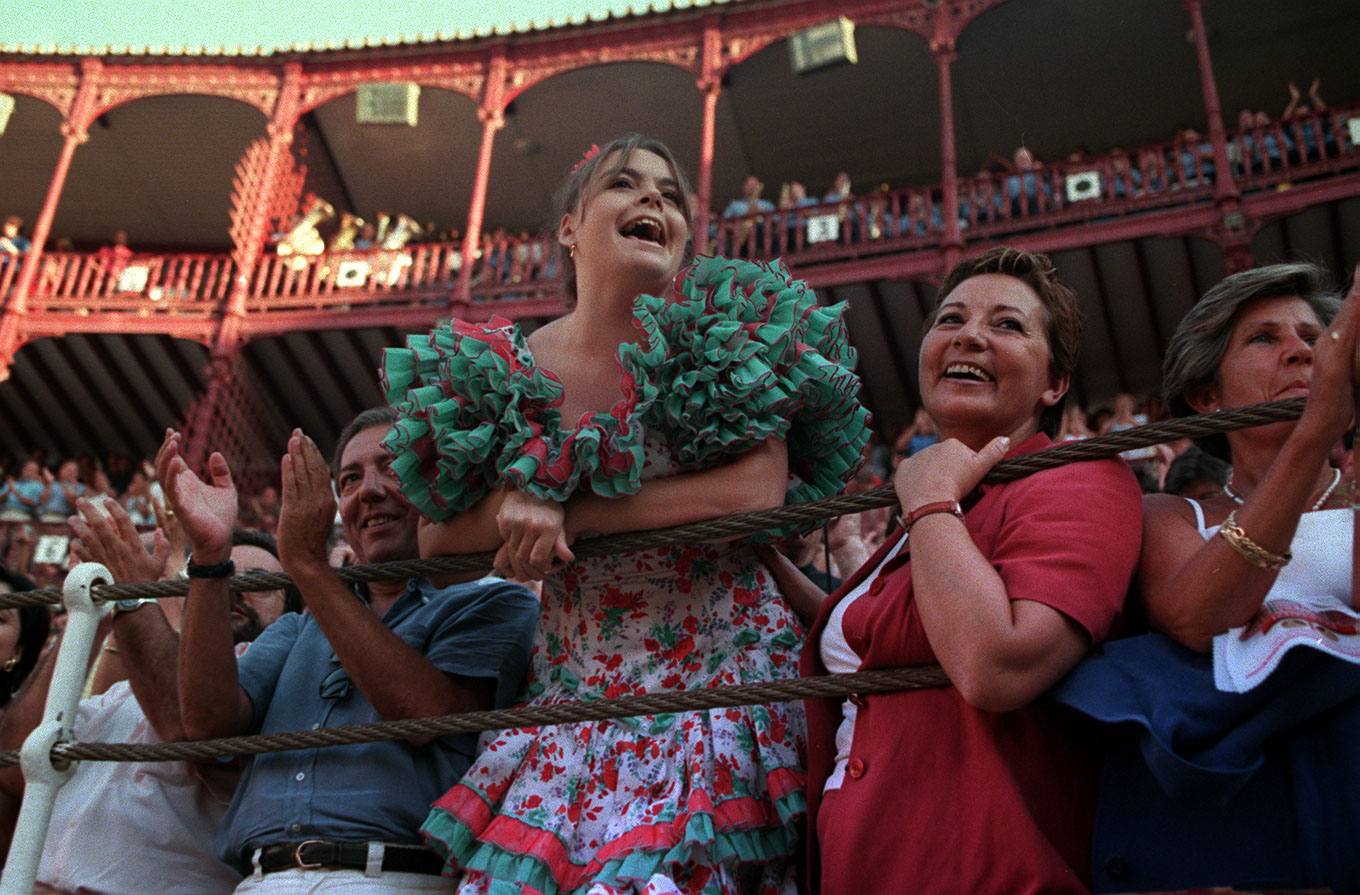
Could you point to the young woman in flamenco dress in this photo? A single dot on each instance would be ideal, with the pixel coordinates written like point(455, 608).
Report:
point(658, 399)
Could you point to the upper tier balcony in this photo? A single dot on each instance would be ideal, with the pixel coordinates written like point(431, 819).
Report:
point(1161, 189)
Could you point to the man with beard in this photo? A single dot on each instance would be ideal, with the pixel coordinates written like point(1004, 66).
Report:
point(117, 825)
point(343, 818)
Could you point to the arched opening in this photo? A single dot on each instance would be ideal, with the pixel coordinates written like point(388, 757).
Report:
point(29, 149)
point(1256, 56)
point(877, 120)
point(424, 172)
point(550, 125)
point(159, 168)
point(1060, 77)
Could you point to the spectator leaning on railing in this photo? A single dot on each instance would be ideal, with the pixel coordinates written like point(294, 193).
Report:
point(398, 649)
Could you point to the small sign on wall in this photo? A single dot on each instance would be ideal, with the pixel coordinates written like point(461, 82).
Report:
point(823, 228)
point(51, 550)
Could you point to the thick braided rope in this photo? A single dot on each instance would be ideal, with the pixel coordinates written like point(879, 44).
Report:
point(831, 685)
point(737, 524)
point(886, 680)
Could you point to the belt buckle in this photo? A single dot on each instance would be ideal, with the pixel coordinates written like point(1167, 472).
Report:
point(297, 855)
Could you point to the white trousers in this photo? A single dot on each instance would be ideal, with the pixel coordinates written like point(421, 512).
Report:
point(341, 882)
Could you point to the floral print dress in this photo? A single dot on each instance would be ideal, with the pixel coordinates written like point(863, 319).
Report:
point(693, 802)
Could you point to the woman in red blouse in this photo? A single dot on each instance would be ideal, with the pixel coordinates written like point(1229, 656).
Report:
point(977, 787)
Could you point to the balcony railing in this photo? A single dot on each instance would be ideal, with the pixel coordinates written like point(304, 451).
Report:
point(507, 269)
point(72, 281)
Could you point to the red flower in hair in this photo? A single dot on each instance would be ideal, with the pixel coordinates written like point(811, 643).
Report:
point(590, 153)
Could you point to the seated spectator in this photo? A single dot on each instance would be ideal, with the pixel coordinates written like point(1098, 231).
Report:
point(13, 243)
point(137, 502)
point(1195, 158)
point(1231, 725)
point(366, 239)
point(323, 819)
point(840, 189)
point(879, 220)
point(22, 496)
point(114, 259)
point(1026, 184)
point(1125, 180)
point(1126, 416)
point(60, 494)
point(981, 201)
point(792, 197)
point(916, 437)
point(262, 509)
point(1196, 475)
point(158, 818)
point(1074, 426)
point(920, 221)
point(1302, 123)
point(749, 233)
point(750, 202)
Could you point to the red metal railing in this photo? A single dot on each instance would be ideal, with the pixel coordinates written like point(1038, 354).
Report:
point(426, 273)
point(144, 283)
point(511, 268)
point(898, 219)
point(10, 265)
point(1309, 145)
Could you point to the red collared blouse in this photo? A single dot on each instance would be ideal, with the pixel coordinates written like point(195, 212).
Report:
point(939, 796)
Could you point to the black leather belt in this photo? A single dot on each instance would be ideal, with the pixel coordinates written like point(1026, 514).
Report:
point(323, 854)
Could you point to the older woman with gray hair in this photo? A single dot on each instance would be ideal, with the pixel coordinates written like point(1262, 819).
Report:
point(1224, 770)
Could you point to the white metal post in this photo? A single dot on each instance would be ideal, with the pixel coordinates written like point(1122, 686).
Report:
point(42, 778)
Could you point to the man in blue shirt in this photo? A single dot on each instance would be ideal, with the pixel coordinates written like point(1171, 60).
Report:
point(321, 819)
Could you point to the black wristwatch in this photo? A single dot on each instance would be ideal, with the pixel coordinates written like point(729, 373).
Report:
point(224, 569)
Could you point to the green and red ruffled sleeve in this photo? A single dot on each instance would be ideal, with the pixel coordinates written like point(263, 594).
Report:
point(752, 355)
point(735, 353)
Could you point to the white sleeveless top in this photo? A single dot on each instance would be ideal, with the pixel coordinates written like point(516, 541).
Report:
point(839, 657)
point(1320, 572)
point(1317, 580)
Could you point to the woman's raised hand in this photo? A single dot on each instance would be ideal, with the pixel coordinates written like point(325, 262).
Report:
point(948, 470)
point(534, 535)
point(1336, 364)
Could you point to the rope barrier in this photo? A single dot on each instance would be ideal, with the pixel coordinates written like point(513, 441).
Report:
point(737, 524)
point(831, 685)
point(837, 685)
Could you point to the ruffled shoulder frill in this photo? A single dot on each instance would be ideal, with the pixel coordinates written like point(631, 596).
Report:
point(476, 411)
point(750, 355)
point(734, 353)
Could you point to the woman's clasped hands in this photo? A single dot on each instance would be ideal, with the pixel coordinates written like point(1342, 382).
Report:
point(534, 535)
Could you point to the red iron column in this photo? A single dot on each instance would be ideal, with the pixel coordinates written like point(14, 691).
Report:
point(1233, 233)
point(942, 48)
point(492, 116)
point(710, 84)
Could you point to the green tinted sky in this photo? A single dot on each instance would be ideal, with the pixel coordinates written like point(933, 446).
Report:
point(255, 22)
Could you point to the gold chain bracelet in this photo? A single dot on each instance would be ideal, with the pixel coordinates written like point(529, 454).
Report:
point(1248, 549)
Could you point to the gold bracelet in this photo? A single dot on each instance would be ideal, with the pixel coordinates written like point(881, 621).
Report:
point(1248, 549)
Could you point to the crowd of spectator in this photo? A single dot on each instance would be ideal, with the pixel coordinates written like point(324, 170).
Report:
point(38, 496)
point(1010, 189)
